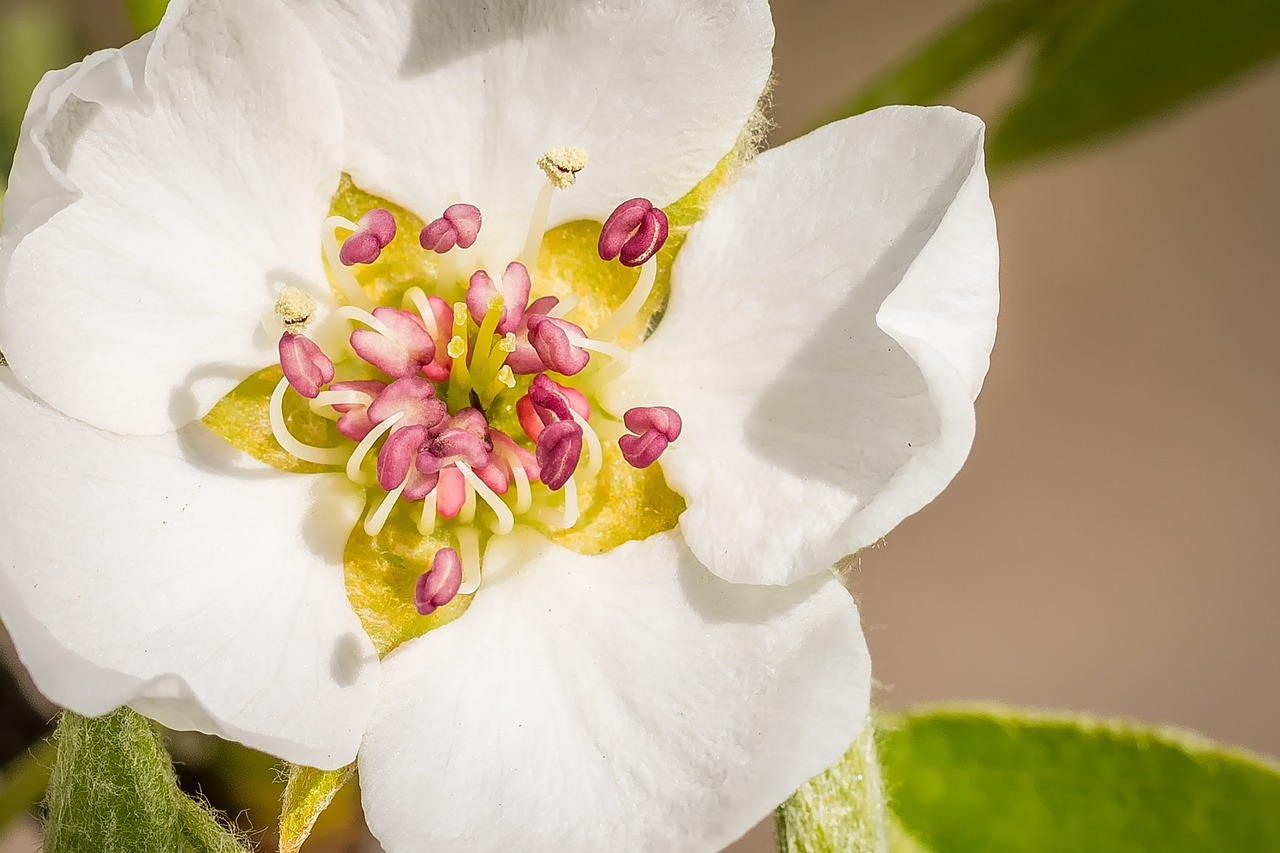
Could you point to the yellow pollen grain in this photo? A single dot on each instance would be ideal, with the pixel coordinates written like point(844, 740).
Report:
point(562, 165)
point(457, 347)
point(295, 308)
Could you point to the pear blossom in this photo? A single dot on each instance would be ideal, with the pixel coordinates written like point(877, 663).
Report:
point(538, 531)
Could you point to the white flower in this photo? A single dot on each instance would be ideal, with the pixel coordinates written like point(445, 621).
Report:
point(827, 332)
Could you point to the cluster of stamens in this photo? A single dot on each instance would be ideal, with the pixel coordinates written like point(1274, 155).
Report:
point(419, 383)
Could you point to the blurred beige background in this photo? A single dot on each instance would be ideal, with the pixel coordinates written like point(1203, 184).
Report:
point(1112, 544)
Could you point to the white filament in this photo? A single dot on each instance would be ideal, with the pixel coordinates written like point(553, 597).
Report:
point(538, 224)
point(614, 324)
point(362, 449)
point(506, 520)
point(469, 553)
point(374, 522)
point(595, 454)
point(305, 452)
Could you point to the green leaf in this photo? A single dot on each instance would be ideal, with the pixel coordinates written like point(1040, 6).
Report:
point(960, 51)
point(145, 14)
point(997, 781)
point(841, 810)
point(1104, 65)
point(113, 788)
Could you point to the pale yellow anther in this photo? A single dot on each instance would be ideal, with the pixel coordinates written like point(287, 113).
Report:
point(508, 342)
point(507, 377)
point(562, 165)
point(457, 347)
point(460, 314)
point(295, 308)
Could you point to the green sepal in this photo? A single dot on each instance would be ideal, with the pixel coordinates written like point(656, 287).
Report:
point(841, 810)
point(1004, 781)
point(113, 788)
point(308, 792)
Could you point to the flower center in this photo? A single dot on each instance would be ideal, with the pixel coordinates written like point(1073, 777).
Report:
point(470, 400)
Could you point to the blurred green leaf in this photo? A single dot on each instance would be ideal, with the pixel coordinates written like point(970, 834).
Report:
point(145, 14)
point(23, 781)
point(113, 788)
point(1105, 64)
point(33, 40)
point(841, 810)
point(998, 781)
point(960, 51)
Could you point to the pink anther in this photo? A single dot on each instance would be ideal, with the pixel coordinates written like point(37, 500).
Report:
point(437, 587)
point(656, 427)
point(547, 402)
point(525, 359)
point(633, 233)
point(408, 349)
point(442, 317)
point(458, 226)
point(355, 423)
point(304, 364)
point(515, 296)
point(376, 230)
point(412, 397)
point(557, 343)
point(399, 454)
point(558, 451)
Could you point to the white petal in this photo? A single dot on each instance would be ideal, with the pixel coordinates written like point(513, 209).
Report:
point(829, 328)
point(180, 576)
point(449, 97)
point(631, 701)
point(161, 196)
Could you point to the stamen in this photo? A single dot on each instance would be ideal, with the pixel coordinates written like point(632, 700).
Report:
point(657, 426)
point(468, 513)
point(505, 519)
point(633, 233)
point(561, 165)
point(459, 226)
point(621, 360)
point(595, 454)
point(356, 460)
point(291, 445)
point(630, 307)
point(557, 343)
point(427, 521)
point(570, 503)
point(359, 315)
point(333, 254)
point(295, 308)
point(374, 232)
point(469, 551)
point(559, 448)
point(437, 587)
point(375, 521)
point(524, 495)
point(340, 398)
point(304, 364)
